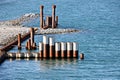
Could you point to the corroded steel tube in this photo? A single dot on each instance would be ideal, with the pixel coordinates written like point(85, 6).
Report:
point(29, 44)
point(53, 16)
point(57, 50)
point(81, 56)
point(63, 50)
point(32, 36)
point(75, 50)
point(56, 20)
point(40, 49)
point(19, 41)
point(51, 48)
point(69, 50)
point(41, 16)
point(45, 47)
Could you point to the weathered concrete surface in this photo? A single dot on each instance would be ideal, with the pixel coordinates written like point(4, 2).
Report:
point(9, 33)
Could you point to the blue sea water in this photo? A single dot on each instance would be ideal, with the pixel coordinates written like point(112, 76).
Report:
point(99, 40)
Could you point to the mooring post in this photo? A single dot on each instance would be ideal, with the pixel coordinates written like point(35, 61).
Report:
point(32, 36)
point(44, 24)
point(40, 49)
point(45, 47)
point(63, 50)
point(57, 50)
point(48, 21)
point(41, 16)
point(75, 50)
point(34, 46)
point(56, 20)
point(81, 56)
point(52, 48)
point(29, 44)
point(69, 50)
point(53, 16)
point(18, 55)
point(19, 41)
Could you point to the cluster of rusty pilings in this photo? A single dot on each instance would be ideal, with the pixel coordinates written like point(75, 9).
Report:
point(30, 45)
point(51, 21)
point(50, 49)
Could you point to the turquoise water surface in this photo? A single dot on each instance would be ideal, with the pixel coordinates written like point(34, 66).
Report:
point(99, 40)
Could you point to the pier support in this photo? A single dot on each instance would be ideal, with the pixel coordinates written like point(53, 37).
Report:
point(34, 46)
point(81, 56)
point(19, 41)
point(63, 50)
point(57, 50)
point(32, 36)
point(45, 47)
point(40, 49)
point(52, 48)
point(56, 21)
point(49, 21)
point(41, 16)
point(75, 50)
point(53, 16)
point(69, 50)
point(29, 44)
